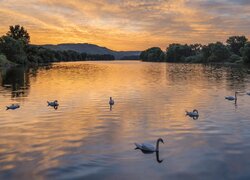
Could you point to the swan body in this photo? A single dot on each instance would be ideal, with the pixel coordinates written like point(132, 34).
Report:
point(147, 147)
point(53, 103)
point(192, 114)
point(111, 101)
point(13, 107)
point(232, 98)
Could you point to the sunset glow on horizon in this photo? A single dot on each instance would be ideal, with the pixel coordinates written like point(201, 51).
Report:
point(127, 24)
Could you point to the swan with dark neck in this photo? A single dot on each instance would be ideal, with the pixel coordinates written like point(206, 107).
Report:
point(111, 101)
point(232, 98)
point(146, 147)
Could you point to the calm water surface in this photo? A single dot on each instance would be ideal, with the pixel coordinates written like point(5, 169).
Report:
point(83, 139)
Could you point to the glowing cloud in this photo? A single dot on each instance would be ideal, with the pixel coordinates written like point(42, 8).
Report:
point(127, 24)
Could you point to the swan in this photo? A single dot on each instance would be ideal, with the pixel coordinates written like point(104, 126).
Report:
point(232, 98)
point(146, 147)
point(111, 101)
point(195, 113)
point(53, 103)
point(13, 107)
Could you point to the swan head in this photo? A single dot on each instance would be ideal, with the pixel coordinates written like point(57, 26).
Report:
point(160, 140)
point(196, 111)
point(110, 98)
point(55, 101)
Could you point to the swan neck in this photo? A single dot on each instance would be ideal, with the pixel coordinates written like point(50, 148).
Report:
point(157, 145)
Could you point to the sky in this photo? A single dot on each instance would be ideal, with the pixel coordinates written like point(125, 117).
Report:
point(127, 24)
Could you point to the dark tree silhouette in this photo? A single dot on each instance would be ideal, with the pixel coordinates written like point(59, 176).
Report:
point(19, 33)
point(152, 54)
point(245, 51)
point(235, 43)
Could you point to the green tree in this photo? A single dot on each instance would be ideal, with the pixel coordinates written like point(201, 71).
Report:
point(152, 54)
point(245, 52)
point(13, 49)
point(18, 32)
point(215, 52)
point(235, 43)
point(178, 52)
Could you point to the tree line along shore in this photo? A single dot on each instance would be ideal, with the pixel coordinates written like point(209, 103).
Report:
point(236, 50)
point(15, 48)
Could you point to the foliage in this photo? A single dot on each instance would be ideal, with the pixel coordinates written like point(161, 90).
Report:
point(152, 54)
point(245, 51)
point(100, 57)
point(235, 43)
point(18, 32)
point(195, 59)
point(234, 58)
point(178, 52)
point(219, 52)
point(4, 61)
point(13, 50)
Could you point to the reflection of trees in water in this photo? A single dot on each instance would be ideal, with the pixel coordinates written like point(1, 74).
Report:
point(183, 73)
point(16, 80)
point(154, 72)
point(235, 76)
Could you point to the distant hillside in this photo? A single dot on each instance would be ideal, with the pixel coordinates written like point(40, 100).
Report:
point(92, 49)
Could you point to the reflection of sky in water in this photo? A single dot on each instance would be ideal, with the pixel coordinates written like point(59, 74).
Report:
point(84, 139)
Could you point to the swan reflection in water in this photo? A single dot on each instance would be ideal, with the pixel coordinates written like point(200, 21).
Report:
point(110, 107)
point(147, 148)
point(156, 153)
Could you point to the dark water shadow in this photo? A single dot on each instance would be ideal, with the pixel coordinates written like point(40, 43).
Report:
point(156, 154)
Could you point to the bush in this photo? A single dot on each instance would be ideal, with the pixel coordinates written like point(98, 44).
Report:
point(194, 59)
point(245, 51)
point(234, 58)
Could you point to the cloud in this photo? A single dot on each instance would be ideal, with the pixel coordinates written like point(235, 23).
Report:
point(127, 24)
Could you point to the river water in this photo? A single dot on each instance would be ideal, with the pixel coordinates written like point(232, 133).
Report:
point(85, 139)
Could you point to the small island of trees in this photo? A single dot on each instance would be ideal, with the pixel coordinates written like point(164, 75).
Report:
point(15, 48)
point(236, 50)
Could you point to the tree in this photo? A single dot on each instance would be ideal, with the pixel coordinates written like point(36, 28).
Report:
point(235, 43)
point(152, 54)
point(18, 32)
point(215, 52)
point(245, 51)
point(13, 49)
point(178, 52)
point(196, 48)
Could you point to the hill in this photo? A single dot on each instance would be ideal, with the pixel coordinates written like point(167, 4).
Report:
point(92, 49)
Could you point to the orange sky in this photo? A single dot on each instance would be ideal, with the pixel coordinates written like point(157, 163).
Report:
point(127, 24)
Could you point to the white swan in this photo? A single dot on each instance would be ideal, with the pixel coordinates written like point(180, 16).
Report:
point(149, 147)
point(111, 101)
point(232, 98)
point(192, 114)
point(13, 107)
point(53, 103)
